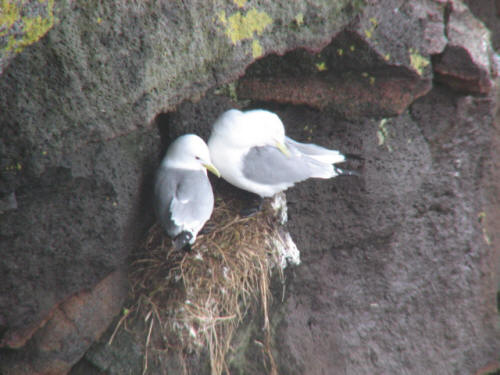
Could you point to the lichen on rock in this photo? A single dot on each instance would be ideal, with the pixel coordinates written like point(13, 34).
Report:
point(22, 24)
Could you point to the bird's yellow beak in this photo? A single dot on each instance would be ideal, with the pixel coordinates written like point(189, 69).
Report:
point(211, 168)
point(283, 149)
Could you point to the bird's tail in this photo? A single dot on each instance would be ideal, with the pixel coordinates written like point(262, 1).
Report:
point(316, 152)
point(182, 241)
point(354, 157)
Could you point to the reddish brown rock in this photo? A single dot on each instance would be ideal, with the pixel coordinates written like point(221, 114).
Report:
point(68, 332)
point(377, 67)
point(350, 96)
point(467, 62)
point(489, 369)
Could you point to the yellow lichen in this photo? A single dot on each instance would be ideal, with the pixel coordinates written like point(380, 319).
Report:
point(340, 51)
point(299, 19)
point(369, 32)
point(371, 79)
point(14, 167)
point(417, 61)
point(240, 27)
point(8, 16)
point(256, 49)
point(228, 90)
point(321, 66)
point(240, 3)
point(383, 134)
point(482, 219)
point(222, 17)
point(33, 28)
point(11, 43)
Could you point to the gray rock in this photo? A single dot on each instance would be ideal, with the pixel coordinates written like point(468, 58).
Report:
point(467, 62)
point(398, 272)
point(71, 328)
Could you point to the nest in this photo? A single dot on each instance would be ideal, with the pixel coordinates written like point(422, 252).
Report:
point(194, 301)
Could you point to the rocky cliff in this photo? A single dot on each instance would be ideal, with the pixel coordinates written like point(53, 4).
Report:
point(399, 266)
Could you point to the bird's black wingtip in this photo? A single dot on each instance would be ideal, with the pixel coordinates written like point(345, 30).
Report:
point(354, 157)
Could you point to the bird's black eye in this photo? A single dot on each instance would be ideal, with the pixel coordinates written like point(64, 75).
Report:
point(197, 157)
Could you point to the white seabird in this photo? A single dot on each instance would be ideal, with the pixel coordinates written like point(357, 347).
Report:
point(183, 196)
point(251, 151)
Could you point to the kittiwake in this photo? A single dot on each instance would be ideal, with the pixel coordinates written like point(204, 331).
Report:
point(251, 151)
point(183, 196)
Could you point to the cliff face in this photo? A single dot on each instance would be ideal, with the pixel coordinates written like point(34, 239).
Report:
point(399, 266)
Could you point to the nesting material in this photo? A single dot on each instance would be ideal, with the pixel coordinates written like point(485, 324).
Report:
point(191, 301)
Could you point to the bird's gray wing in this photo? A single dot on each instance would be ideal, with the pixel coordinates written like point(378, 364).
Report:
point(182, 197)
point(316, 152)
point(194, 199)
point(268, 165)
point(163, 193)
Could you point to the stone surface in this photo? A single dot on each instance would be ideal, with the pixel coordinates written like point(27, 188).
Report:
point(73, 227)
point(22, 24)
point(69, 331)
point(488, 11)
point(467, 62)
point(399, 265)
point(72, 108)
point(376, 94)
point(377, 67)
point(77, 152)
point(104, 71)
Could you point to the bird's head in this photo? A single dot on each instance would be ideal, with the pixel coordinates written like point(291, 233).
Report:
point(190, 152)
point(251, 128)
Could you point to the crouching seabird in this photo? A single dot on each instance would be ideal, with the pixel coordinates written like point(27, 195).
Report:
point(183, 196)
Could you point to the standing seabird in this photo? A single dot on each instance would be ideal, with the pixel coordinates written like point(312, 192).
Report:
point(251, 151)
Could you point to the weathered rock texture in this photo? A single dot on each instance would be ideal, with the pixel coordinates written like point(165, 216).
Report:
point(72, 326)
point(22, 24)
point(398, 272)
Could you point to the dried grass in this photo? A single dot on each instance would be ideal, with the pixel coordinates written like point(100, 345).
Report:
point(194, 301)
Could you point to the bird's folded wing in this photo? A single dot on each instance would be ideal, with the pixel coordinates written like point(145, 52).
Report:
point(268, 165)
point(316, 152)
point(193, 199)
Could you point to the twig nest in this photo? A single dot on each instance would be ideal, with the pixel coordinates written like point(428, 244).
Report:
point(196, 300)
